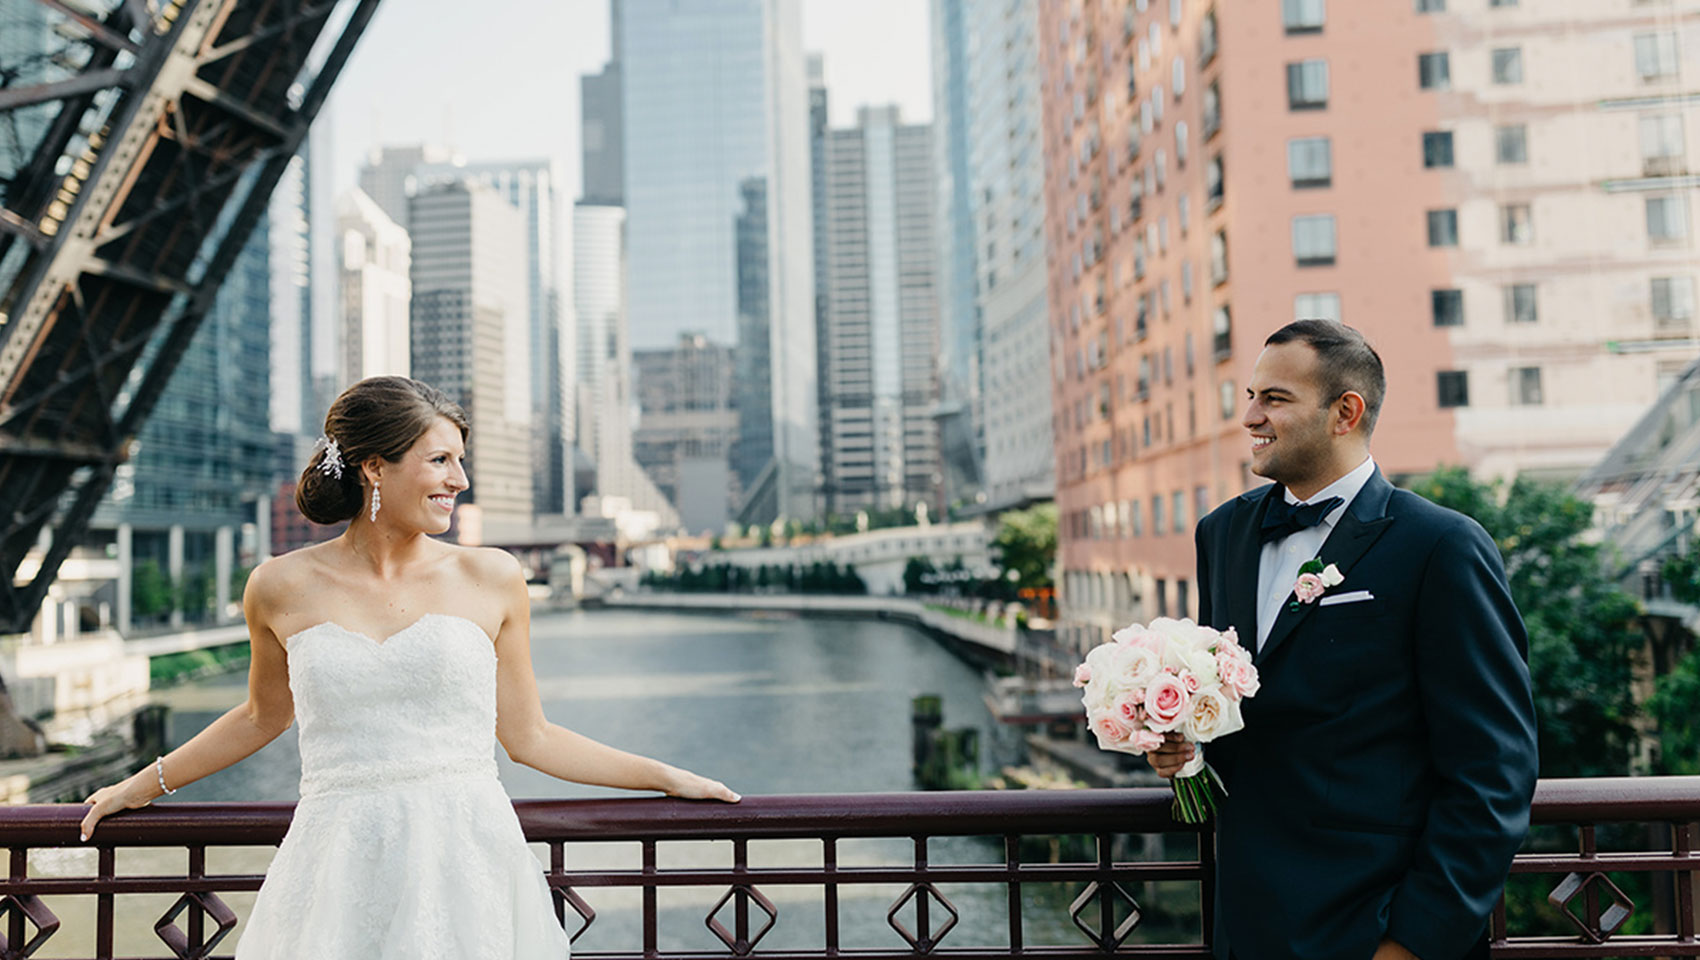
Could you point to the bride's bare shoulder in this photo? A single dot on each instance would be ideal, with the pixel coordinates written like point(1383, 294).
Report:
point(288, 575)
point(487, 566)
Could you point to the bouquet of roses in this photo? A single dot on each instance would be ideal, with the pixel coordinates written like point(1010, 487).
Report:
point(1172, 675)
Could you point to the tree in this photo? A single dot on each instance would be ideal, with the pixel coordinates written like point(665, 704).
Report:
point(1027, 544)
point(1582, 627)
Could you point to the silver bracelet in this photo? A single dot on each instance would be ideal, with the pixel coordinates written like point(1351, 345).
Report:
point(159, 768)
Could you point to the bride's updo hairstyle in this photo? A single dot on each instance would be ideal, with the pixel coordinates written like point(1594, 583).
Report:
point(377, 417)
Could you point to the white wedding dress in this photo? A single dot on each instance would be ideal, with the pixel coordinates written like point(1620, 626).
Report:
point(404, 845)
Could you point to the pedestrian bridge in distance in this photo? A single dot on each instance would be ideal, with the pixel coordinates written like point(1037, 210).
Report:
point(788, 874)
point(142, 140)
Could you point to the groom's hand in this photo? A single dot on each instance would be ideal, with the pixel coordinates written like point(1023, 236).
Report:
point(1169, 758)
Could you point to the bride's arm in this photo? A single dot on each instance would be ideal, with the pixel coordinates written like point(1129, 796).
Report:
point(531, 739)
point(245, 728)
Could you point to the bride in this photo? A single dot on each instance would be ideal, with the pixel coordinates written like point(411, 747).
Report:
point(403, 657)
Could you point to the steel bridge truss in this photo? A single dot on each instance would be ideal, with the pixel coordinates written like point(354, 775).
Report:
point(145, 139)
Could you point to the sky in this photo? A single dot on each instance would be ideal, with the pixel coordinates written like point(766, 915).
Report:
point(498, 79)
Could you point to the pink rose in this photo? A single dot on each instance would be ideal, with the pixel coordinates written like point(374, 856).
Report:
point(1137, 694)
point(1309, 587)
point(1239, 677)
point(1110, 729)
point(1190, 679)
point(1166, 702)
point(1145, 740)
point(1129, 711)
point(1082, 675)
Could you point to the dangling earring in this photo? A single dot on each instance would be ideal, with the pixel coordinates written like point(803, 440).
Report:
point(374, 516)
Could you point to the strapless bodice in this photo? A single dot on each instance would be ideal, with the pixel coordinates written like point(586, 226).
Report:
point(417, 708)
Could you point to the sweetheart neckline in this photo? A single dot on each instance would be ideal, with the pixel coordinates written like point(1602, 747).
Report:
point(386, 641)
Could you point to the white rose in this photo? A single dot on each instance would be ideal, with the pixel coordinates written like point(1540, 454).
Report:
point(1331, 576)
point(1212, 716)
point(1202, 663)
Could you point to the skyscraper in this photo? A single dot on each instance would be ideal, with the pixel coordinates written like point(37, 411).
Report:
point(292, 404)
point(1005, 192)
point(604, 360)
point(955, 109)
point(375, 259)
point(470, 333)
point(714, 95)
point(529, 185)
point(203, 460)
point(882, 317)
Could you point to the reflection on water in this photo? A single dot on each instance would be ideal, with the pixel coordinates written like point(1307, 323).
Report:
point(768, 706)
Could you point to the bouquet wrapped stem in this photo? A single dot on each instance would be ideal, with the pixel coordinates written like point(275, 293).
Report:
point(1196, 792)
point(1173, 676)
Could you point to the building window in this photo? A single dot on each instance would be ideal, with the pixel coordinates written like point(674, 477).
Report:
point(1443, 228)
point(1525, 386)
point(1508, 66)
point(1222, 330)
point(1437, 149)
point(1213, 183)
point(1511, 143)
point(1157, 528)
point(1183, 213)
point(1303, 16)
point(1673, 303)
point(1662, 153)
point(1454, 388)
point(1310, 162)
point(1447, 306)
point(1186, 281)
point(1502, 3)
point(1317, 306)
point(1313, 240)
point(1667, 219)
point(1175, 12)
point(1516, 224)
point(1177, 77)
point(1207, 38)
point(1181, 148)
point(1307, 85)
point(1178, 513)
point(1137, 508)
point(1218, 259)
point(1434, 71)
point(1230, 399)
point(1431, 6)
point(1212, 109)
point(1520, 303)
point(1656, 56)
point(1160, 163)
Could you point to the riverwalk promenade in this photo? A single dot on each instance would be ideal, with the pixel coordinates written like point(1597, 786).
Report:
point(986, 637)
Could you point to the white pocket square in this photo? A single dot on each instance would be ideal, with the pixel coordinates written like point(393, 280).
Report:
point(1356, 596)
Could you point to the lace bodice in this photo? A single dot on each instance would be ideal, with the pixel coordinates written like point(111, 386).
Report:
point(419, 707)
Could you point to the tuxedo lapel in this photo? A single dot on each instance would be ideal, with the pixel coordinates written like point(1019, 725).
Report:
point(1245, 551)
point(1363, 523)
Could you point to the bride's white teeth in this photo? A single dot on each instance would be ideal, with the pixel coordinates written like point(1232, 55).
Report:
point(446, 502)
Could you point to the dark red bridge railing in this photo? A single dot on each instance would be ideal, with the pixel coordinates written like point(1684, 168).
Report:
point(1056, 874)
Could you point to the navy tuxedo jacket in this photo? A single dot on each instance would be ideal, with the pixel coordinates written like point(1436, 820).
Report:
point(1382, 782)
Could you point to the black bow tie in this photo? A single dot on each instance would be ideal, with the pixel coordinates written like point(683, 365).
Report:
point(1285, 518)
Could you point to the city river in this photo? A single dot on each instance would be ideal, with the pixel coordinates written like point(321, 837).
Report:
point(770, 706)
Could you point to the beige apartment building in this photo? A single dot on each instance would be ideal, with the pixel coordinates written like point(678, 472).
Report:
point(1497, 192)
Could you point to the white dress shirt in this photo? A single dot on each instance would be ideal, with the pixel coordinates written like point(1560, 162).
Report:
point(1278, 565)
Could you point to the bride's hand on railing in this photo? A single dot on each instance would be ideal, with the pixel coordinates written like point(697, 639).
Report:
point(689, 786)
point(127, 794)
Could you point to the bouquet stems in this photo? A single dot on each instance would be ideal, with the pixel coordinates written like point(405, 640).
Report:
point(1195, 796)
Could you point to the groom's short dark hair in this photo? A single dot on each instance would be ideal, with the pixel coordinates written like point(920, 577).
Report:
point(1345, 361)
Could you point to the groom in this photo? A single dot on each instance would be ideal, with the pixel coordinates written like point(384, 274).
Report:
point(1382, 782)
